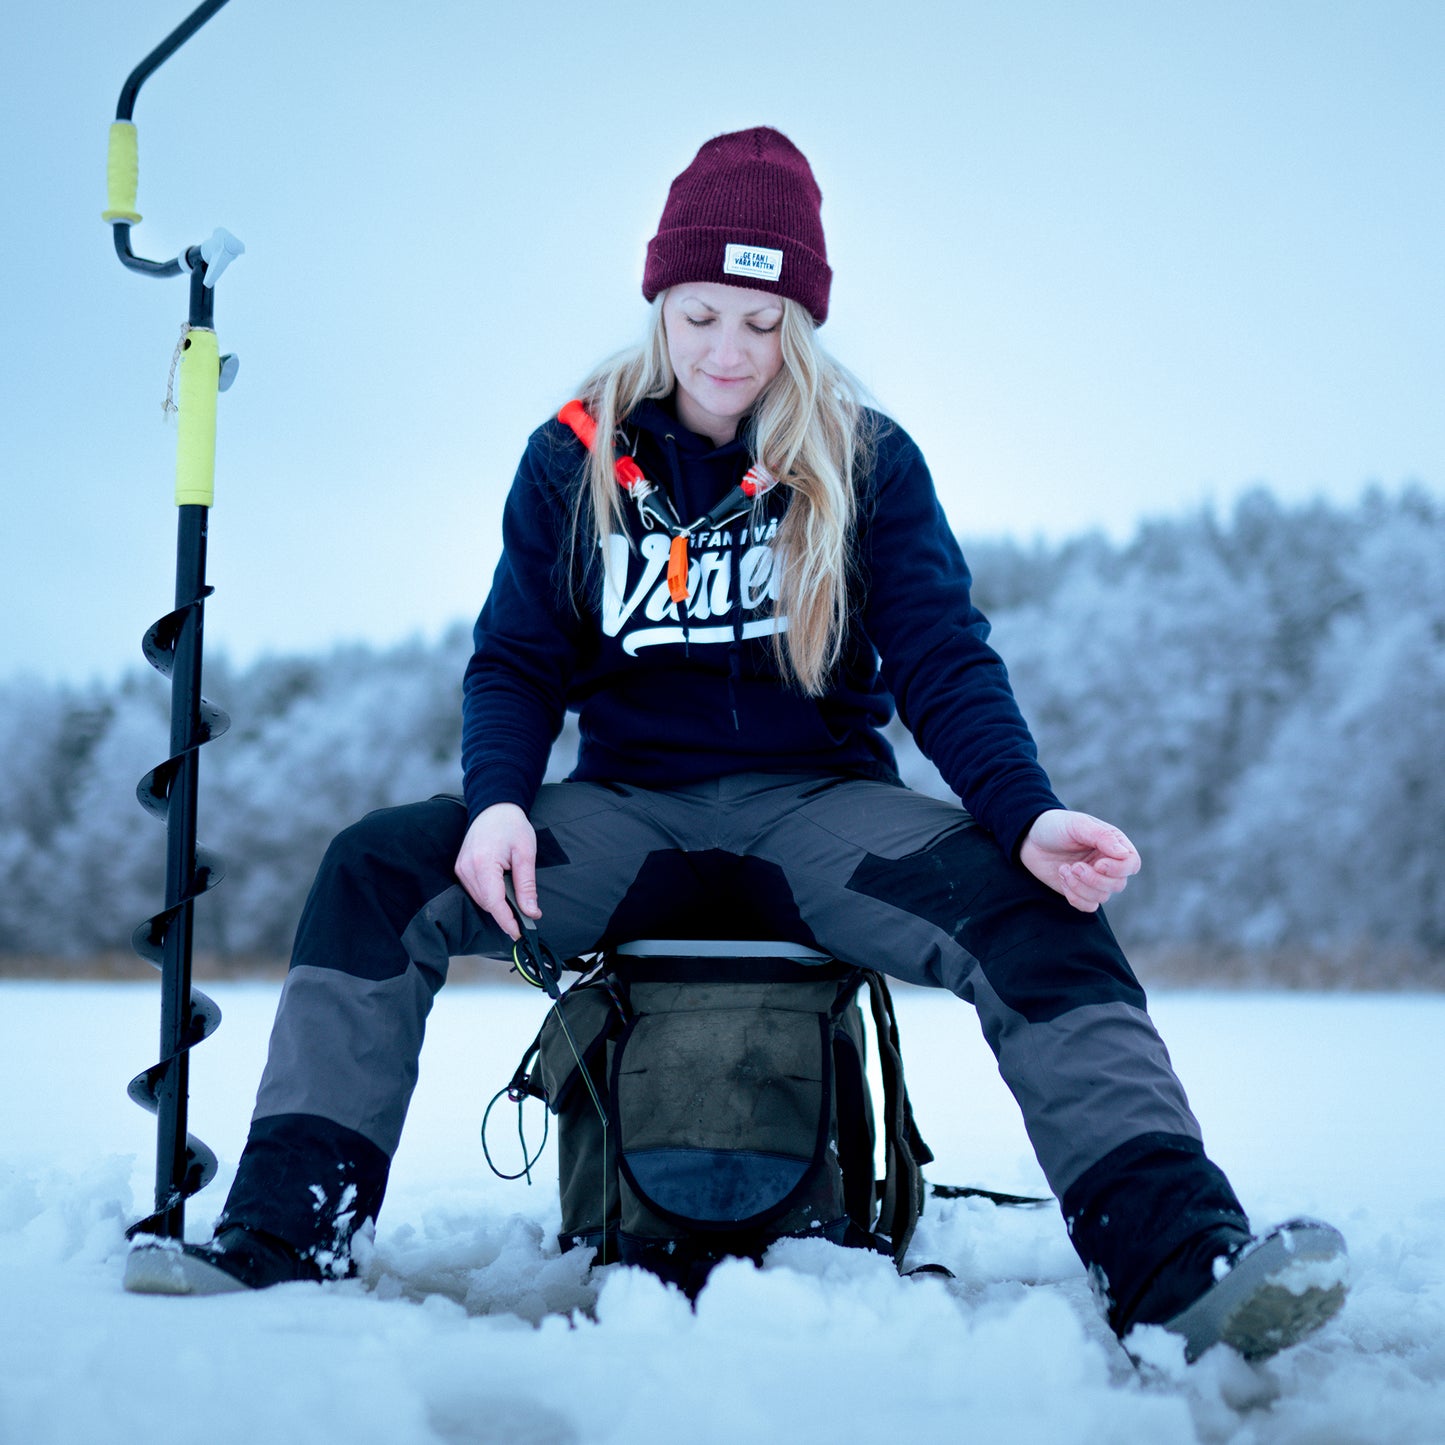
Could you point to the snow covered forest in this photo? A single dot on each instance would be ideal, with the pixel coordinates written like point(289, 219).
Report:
point(1258, 699)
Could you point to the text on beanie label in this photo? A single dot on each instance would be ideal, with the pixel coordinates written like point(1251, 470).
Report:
point(756, 261)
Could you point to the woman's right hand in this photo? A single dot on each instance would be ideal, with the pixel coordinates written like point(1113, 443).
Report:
point(500, 841)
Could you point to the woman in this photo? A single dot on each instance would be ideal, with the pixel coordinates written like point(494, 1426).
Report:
point(732, 773)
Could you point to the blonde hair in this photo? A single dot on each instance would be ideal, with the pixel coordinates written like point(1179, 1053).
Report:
point(808, 431)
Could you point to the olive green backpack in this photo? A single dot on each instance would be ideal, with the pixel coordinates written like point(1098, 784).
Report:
point(712, 1098)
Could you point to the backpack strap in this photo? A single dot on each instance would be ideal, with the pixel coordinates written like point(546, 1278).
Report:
point(905, 1153)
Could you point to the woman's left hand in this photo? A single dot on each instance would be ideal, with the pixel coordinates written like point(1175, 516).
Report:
point(1082, 857)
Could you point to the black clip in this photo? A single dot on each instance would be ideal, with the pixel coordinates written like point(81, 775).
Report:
point(531, 956)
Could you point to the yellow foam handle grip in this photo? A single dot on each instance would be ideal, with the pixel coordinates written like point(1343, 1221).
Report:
point(200, 374)
point(122, 173)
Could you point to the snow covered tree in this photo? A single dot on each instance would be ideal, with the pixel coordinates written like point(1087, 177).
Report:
point(1333, 835)
point(1258, 701)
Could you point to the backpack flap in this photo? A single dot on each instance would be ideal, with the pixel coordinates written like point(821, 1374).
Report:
point(722, 1095)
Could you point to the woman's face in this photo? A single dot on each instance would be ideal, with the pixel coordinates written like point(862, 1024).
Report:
point(725, 344)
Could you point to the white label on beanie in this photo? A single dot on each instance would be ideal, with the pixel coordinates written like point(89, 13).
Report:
point(755, 261)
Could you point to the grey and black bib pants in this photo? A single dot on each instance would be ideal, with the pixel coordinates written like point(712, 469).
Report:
point(870, 872)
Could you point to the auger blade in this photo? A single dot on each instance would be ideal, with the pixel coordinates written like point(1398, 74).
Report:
point(172, 645)
point(159, 642)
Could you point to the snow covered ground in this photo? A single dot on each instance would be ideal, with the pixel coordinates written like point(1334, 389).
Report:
point(466, 1326)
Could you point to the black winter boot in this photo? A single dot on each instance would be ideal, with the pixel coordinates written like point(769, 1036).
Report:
point(1259, 1296)
point(235, 1259)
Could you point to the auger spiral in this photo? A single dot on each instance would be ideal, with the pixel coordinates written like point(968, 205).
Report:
point(173, 646)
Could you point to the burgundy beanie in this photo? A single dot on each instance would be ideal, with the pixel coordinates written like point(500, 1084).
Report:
point(746, 212)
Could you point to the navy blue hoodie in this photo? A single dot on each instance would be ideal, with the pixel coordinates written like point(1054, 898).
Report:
point(671, 693)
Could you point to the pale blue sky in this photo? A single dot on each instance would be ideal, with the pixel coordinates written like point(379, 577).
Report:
point(1104, 260)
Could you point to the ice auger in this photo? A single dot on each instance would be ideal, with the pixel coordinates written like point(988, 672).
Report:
point(172, 646)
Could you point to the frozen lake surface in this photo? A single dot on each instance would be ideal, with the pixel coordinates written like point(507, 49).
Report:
point(467, 1326)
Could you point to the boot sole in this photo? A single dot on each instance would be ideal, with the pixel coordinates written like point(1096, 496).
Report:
point(169, 1269)
point(1280, 1290)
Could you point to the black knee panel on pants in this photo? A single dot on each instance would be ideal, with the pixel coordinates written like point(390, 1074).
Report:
point(375, 877)
point(1042, 956)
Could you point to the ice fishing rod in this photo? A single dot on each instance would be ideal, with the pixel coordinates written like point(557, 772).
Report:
point(172, 645)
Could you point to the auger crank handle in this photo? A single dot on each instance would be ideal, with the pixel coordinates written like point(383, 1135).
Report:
point(122, 171)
